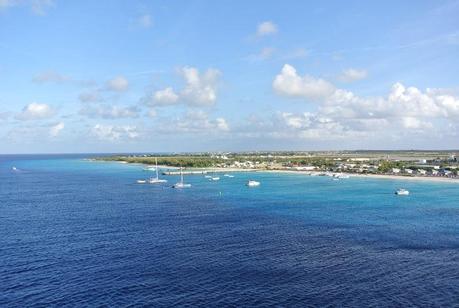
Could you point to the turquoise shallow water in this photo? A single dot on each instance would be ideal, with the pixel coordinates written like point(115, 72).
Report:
point(83, 233)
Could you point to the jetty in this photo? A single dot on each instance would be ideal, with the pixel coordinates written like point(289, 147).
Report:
point(185, 172)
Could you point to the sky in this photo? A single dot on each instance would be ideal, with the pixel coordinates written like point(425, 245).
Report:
point(186, 76)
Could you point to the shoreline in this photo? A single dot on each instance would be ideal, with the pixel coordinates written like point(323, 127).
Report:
point(305, 173)
point(379, 176)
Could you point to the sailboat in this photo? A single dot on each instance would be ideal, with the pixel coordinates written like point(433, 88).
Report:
point(156, 180)
point(181, 184)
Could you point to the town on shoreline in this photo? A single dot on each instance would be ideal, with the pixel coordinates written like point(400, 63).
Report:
point(408, 164)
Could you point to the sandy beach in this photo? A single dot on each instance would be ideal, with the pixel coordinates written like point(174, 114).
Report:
point(380, 176)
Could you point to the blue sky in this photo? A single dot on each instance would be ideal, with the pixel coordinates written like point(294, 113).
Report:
point(122, 76)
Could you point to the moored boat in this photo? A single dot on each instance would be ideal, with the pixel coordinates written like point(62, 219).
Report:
point(402, 192)
point(252, 183)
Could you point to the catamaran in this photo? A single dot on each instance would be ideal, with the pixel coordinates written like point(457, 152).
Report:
point(181, 184)
point(156, 180)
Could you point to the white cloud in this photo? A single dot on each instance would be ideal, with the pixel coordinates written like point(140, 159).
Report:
point(35, 111)
point(118, 84)
point(55, 130)
point(166, 96)
point(145, 21)
point(221, 124)
point(266, 28)
point(289, 83)
point(405, 111)
point(109, 111)
point(115, 133)
point(352, 74)
point(200, 89)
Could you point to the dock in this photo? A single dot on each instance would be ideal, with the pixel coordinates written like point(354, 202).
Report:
point(185, 172)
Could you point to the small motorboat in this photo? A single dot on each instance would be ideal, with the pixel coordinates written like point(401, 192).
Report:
point(402, 192)
point(229, 175)
point(156, 181)
point(252, 183)
point(141, 181)
point(181, 185)
point(215, 178)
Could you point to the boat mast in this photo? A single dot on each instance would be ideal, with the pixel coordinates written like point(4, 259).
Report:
point(181, 175)
point(156, 161)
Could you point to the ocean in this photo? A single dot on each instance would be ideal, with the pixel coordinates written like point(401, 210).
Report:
point(80, 233)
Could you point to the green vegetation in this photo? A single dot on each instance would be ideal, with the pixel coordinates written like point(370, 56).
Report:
point(376, 162)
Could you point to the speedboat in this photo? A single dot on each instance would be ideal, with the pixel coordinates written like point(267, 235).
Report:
point(181, 185)
point(252, 183)
point(141, 181)
point(156, 181)
point(14, 169)
point(402, 192)
point(215, 178)
point(341, 176)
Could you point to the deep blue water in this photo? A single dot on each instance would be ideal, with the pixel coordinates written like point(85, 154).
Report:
point(81, 233)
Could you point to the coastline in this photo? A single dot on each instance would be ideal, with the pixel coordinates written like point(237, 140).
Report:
point(306, 173)
point(380, 176)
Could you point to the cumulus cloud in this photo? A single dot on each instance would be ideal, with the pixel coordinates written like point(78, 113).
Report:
point(55, 130)
point(109, 111)
point(115, 133)
point(266, 28)
point(341, 113)
point(166, 96)
point(118, 84)
point(35, 111)
point(289, 83)
point(200, 89)
point(352, 74)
